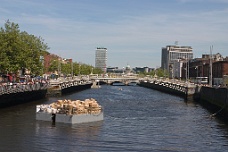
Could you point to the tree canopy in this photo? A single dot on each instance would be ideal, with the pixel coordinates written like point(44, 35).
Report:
point(19, 50)
point(74, 68)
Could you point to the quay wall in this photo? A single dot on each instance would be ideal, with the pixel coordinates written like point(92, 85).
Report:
point(76, 88)
point(7, 100)
point(15, 94)
point(162, 88)
point(67, 87)
point(215, 99)
point(21, 93)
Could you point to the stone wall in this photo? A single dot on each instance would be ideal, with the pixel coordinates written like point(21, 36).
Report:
point(216, 96)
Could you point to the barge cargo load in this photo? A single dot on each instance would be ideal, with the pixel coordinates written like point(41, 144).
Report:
point(71, 112)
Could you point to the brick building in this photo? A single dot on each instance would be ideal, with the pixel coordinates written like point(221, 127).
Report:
point(200, 67)
point(219, 70)
point(48, 58)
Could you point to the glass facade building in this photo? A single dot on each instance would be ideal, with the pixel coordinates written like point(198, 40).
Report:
point(173, 57)
point(101, 58)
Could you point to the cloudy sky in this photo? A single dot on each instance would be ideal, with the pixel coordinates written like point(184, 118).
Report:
point(133, 31)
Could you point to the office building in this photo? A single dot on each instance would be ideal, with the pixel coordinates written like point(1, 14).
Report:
point(101, 58)
point(173, 57)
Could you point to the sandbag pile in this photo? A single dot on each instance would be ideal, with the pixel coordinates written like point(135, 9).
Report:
point(69, 107)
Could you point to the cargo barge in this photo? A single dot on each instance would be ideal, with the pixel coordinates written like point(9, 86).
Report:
point(70, 112)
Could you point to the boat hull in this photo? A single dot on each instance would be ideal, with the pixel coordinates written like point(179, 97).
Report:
point(69, 119)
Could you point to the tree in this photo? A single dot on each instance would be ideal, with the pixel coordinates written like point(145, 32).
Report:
point(53, 66)
point(20, 50)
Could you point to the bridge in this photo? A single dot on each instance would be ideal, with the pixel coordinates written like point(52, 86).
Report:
point(169, 86)
point(109, 80)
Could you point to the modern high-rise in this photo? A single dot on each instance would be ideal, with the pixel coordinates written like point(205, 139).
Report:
point(173, 57)
point(101, 58)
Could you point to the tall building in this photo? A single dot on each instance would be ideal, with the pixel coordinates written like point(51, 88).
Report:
point(173, 57)
point(101, 58)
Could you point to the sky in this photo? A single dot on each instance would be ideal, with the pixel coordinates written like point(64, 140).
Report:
point(133, 31)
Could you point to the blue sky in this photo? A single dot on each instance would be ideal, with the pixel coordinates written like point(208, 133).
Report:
point(133, 31)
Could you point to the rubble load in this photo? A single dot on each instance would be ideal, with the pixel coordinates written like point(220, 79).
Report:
point(70, 111)
point(69, 107)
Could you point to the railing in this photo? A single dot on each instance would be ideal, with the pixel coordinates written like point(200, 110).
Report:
point(18, 87)
point(63, 83)
point(171, 85)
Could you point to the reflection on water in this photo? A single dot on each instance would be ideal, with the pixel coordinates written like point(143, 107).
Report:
point(135, 119)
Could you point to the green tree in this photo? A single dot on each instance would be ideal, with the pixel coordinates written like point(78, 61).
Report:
point(20, 50)
point(66, 68)
point(53, 66)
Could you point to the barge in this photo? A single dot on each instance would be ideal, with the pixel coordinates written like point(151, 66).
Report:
point(70, 112)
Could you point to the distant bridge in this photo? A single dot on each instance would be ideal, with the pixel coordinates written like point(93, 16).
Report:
point(108, 80)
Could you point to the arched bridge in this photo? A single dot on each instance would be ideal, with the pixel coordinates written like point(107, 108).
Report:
point(108, 80)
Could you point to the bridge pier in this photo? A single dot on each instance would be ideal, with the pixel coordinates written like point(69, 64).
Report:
point(95, 84)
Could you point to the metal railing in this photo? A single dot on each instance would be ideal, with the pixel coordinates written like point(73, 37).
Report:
point(18, 87)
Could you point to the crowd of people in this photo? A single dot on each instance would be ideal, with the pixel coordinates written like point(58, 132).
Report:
point(9, 83)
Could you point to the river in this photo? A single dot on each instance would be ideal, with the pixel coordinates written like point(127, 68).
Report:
point(135, 119)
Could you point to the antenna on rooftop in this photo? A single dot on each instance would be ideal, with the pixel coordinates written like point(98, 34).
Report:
point(176, 42)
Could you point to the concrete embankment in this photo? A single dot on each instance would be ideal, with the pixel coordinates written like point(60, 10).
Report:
point(21, 93)
point(77, 88)
point(12, 99)
point(215, 99)
point(57, 90)
point(182, 92)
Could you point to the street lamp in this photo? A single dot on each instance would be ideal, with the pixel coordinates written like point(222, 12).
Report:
point(196, 71)
point(91, 71)
point(203, 69)
point(79, 69)
point(59, 67)
point(171, 70)
point(72, 68)
point(186, 74)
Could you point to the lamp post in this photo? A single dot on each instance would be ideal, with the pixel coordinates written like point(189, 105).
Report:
point(91, 71)
point(203, 69)
point(186, 72)
point(79, 69)
point(59, 67)
point(196, 71)
point(72, 68)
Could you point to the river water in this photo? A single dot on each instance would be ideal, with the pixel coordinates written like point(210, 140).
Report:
point(135, 119)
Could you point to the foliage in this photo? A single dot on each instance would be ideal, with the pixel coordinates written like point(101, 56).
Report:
point(157, 72)
point(66, 69)
point(19, 50)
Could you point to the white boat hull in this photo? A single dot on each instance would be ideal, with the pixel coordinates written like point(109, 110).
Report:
point(70, 119)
